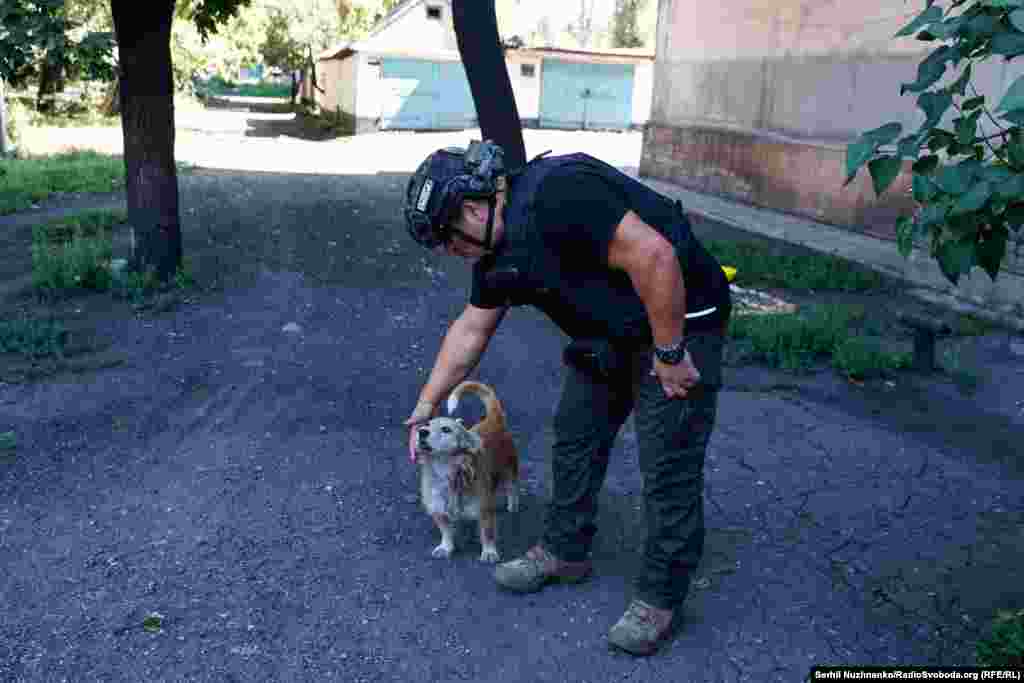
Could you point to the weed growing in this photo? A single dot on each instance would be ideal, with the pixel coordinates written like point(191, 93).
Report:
point(74, 253)
point(24, 181)
point(758, 267)
point(796, 341)
point(32, 337)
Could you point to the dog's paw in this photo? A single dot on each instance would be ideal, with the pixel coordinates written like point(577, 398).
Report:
point(443, 552)
point(490, 556)
point(513, 502)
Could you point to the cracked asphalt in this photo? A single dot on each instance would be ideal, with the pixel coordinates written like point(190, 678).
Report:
point(231, 501)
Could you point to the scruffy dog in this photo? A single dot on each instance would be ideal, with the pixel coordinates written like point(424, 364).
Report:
point(462, 471)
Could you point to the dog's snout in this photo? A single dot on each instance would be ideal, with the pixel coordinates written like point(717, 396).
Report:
point(423, 433)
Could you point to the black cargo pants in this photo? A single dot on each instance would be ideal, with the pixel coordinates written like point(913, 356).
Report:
point(672, 436)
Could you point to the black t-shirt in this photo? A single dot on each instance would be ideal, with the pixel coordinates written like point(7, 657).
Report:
point(577, 210)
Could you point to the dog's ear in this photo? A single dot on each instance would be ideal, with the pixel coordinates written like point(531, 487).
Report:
point(470, 441)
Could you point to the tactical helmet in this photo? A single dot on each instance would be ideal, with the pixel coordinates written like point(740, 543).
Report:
point(434, 194)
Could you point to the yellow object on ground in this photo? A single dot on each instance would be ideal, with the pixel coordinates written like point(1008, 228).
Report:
point(730, 273)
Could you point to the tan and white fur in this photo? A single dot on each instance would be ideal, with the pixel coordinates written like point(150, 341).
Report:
point(464, 470)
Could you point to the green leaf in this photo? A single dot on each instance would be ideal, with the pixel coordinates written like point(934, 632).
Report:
point(930, 70)
point(933, 214)
point(905, 235)
point(967, 128)
point(1015, 149)
point(883, 135)
point(1008, 44)
point(959, 87)
point(923, 188)
point(1014, 215)
point(884, 171)
point(929, 16)
point(995, 174)
point(956, 258)
point(909, 147)
point(939, 138)
point(948, 28)
point(1002, 4)
point(982, 27)
point(926, 165)
point(951, 180)
point(1011, 188)
point(991, 249)
point(8, 441)
point(973, 199)
point(973, 103)
point(857, 154)
point(935, 106)
point(1016, 117)
point(1017, 19)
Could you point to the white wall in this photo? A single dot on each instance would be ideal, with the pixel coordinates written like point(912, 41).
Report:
point(526, 89)
point(368, 100)
point(643, 92)
point(414, 31)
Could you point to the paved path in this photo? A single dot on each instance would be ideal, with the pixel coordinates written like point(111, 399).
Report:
point(249, 486)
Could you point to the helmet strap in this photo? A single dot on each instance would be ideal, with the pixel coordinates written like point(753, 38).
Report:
point(491, 203)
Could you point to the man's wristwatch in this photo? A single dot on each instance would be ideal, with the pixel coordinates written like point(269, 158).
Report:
point(671, 355)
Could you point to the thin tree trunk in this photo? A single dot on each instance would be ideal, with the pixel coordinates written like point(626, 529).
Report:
point(143, 33)
point(3, 121)
point(51, 80)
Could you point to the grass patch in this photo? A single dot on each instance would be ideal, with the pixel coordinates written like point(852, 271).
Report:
point(758, 266)
point(220, 86)
point(1003, 647)
point(24, 181)
point(33, 338)
point(861, 357)
point(796, 341)
point(74, 253)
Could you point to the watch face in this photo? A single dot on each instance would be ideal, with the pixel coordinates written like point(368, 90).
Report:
point(670, 356)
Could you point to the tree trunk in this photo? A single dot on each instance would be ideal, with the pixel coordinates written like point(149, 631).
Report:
point(111, 105)
point(143, 33)
point(51, 80)
point(476, 33)
point(3, 121)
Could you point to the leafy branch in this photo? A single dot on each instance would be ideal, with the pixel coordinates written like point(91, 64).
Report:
point(968, 183)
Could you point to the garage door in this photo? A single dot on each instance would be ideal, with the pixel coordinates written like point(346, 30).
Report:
point(419, 94)
point(591, 96)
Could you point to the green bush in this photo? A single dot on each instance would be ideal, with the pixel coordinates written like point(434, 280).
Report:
point(1004, 647)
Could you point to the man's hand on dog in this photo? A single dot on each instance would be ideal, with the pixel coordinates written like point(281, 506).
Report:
point(677, 380)
point(422, 414)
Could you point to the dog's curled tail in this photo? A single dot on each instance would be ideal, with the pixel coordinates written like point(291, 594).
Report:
point(495, 413)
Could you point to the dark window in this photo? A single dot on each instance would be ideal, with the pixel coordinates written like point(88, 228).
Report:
point(527, 70)
point(433, 12)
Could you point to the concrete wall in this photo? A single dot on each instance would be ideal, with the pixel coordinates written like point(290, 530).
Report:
point(526, 89)
point(757, 99)
point(412, 28)
point(643, 92)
